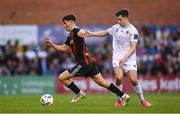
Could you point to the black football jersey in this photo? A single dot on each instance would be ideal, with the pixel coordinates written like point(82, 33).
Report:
point(78, 47)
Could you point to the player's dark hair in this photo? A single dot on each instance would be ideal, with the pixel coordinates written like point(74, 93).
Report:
point(123, 13)
point(69, 17)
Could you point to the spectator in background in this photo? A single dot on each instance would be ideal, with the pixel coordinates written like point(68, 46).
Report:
point(55, 67)
point(22, 68)
point(4, 71)
point(19, 49)
point(42, 60)
point(32, 60)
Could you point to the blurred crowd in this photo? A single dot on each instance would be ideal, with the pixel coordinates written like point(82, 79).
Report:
point(158, 53)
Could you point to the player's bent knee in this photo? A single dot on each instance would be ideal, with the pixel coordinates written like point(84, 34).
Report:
point(118, 81)
point(60, 78)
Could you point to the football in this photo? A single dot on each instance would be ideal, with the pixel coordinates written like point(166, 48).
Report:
point(47, 100)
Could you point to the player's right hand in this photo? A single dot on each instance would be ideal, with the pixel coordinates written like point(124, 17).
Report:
point(88, 33)
point(48, 42)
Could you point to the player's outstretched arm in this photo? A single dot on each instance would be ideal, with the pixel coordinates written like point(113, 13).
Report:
point(98, 34)
point(86, 33)
point(83, 33)
point(62, 47)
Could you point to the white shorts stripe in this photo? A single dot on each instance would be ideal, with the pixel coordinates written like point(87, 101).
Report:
point(76, 70)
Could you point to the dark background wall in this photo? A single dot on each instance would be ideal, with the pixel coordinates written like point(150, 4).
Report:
point(89, 12)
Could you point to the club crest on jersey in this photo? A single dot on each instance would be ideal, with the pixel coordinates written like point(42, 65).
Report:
point(128, 33)
point(117, 29)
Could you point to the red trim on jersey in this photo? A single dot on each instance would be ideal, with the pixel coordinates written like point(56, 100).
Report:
point(84, 53)
point(86, 57)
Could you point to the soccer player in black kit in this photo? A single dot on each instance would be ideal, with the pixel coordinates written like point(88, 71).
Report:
point(85, 67)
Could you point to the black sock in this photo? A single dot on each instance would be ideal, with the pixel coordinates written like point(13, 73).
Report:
point(73, 88)
point(115, 90)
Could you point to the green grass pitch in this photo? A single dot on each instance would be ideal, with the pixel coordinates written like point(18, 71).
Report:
point(93, 103)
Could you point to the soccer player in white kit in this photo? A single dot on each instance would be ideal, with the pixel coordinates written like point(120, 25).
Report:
point(125, 38)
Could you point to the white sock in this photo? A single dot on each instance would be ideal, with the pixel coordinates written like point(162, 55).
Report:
point(139, 91)
point(120, 87)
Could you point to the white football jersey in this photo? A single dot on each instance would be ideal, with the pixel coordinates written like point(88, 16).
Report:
point(122, 37)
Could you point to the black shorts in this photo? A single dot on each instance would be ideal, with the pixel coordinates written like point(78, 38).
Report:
point(86, 70)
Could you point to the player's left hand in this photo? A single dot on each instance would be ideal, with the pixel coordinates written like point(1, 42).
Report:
point(48, 41)
point(122, 61)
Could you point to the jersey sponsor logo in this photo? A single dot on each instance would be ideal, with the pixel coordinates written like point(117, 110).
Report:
point(120, 41)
